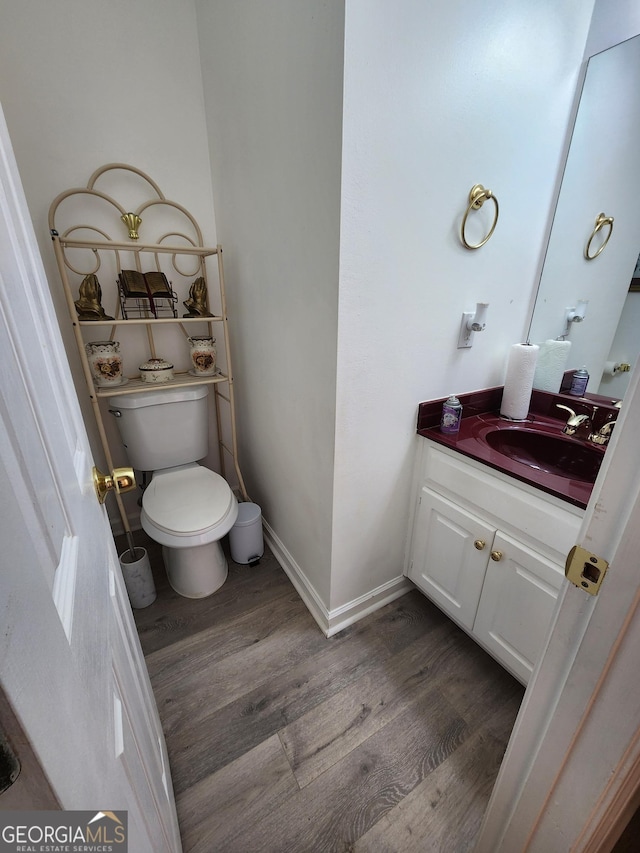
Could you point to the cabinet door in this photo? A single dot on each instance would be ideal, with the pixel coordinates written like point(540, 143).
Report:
point(518, 597)
point(449, 553)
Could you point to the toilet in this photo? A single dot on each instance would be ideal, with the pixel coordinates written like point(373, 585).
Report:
point(186, 507)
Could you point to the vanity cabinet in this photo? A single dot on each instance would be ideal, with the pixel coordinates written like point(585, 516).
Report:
point(489, 552)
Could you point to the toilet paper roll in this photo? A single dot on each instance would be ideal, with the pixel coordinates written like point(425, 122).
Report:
point(610, 368)
point(518, 383)
point(551, 364)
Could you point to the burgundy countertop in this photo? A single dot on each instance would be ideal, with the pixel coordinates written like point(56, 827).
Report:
point(481, 417)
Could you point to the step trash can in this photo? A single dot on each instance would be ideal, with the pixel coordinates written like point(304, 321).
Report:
point(245, 537)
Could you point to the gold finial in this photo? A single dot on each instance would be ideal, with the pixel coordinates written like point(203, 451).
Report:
point(132, 221)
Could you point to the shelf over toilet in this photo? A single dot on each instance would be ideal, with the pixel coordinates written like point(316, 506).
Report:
point(131, 270)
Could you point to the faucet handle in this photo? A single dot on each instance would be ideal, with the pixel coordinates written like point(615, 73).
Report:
point(574, 421)
point(572, 414)
point(604, 433)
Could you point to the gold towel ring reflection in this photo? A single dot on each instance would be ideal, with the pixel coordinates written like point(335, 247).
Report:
point(477, 197)
point(601, 221)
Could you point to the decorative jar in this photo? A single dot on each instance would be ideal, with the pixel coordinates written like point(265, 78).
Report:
point(203, 355)
point(105, 362)
point(156, 370)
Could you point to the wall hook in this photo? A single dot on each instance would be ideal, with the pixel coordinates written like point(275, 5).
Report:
point(472, 322)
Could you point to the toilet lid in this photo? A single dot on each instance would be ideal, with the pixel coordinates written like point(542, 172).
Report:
point(187, 501)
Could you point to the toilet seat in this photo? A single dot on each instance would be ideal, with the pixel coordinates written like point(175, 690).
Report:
point(187, 506)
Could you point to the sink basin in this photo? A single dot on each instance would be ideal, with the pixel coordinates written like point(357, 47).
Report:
point(534, 451)
point(546, 452)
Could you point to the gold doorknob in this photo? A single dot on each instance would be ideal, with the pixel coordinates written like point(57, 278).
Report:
point(496, 556)
point(120, 479)
point(479, 544)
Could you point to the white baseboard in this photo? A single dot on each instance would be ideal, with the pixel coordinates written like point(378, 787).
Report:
point(117, 527)
point(332, 621)
point(295, 574)
point(368, 603)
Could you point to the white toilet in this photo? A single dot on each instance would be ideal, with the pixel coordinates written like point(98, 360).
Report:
point(186, 508)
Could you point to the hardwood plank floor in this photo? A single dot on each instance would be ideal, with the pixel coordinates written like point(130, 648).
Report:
point(385, 737)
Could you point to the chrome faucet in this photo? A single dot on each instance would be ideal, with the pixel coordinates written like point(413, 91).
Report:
point(575, 421)
point(604, 433)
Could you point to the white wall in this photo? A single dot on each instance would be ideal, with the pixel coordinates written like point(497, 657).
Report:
point(273, 86)
point(438, 97)
point(613, 21)
point(345, 273)
point(84, 83)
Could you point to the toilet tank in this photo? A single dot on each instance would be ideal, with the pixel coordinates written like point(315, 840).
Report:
point(163, 428)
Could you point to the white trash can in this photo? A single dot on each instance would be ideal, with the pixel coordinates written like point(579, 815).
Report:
point(138, 579)
point(245, 537)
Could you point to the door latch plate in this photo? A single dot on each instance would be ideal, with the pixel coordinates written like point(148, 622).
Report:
point(585, 569)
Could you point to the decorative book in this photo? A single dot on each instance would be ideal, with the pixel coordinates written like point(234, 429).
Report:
point(150, 292)
point(144, 285)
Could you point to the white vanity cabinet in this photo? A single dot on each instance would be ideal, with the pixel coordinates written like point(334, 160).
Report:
point(489, 551)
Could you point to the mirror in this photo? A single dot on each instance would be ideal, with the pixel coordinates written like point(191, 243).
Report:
point(602, 176)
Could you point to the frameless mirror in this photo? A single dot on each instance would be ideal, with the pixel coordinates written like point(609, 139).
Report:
point(602, 176)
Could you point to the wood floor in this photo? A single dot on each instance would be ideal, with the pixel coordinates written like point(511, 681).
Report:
point(386, 737)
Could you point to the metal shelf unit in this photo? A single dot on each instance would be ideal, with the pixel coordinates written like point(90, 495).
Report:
point(72, 244)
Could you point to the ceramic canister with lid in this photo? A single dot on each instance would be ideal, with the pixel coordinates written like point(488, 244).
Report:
point(105, 362)
point(203, 355)
point(156, 370)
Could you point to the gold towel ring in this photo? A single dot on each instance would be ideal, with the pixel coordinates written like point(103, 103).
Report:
point(601, 221)
point(477, 197)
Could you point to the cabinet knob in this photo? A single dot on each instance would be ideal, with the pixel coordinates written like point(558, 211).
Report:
point(496, 556)
point(479, 544)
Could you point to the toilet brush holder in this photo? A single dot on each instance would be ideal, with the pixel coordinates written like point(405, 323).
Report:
point(138, 579)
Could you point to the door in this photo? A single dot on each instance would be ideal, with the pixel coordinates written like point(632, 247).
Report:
point(71, 667)
point(571, 773)
point(449, 556)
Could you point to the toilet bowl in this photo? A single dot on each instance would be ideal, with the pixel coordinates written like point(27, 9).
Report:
point(188, 510)
point(186, 507)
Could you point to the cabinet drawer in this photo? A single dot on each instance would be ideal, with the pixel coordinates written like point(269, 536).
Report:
point(548, 523)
